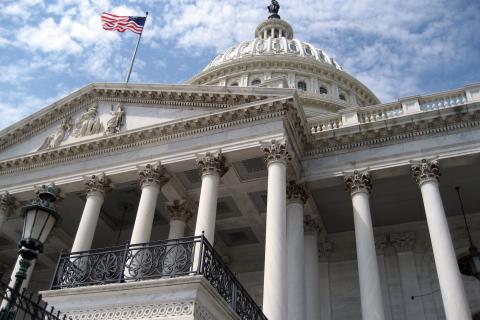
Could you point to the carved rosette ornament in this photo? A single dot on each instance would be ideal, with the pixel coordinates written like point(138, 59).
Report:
point(212, 164)
point(297, 192)
point(425, 171)
point(276, 152)
point(8, 204)
point(98, 183)
point(178, 210)
point(311, 225)
point(358, 182)
point(153, 174)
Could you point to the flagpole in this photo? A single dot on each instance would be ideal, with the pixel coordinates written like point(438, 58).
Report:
point(135, 51)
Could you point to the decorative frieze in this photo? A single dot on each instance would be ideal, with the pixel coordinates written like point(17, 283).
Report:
point(153, 174)
point(358, 182)
point(212, 163)
point(114, 125)
point(98, 183)
point(401, 241)
point(55, 139)
point(8, 204)
point(297, 192)
point(178, 210)
point(311, 224)
point(425, 171)
point(89, 123)
point(276, 152)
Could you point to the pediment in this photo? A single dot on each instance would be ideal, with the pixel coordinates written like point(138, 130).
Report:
point(98, 111)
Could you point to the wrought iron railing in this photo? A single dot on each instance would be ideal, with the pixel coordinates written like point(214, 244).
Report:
point(26, 306)
point(154, 260)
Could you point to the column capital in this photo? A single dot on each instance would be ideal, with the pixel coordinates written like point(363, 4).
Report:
point(324, 249)
point(358, 182)
point(311, 225)
point(297, 192)
point(8, 204)
point(425, 171)
point(98, 183)
point(153, 174)
point(211, 163)
point(276, 152)
point(178, 210)
point(404, 241)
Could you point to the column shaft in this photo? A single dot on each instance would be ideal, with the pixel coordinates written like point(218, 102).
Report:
point(275, 289)
point(142, 230)
point(177, 229)
point(207, 206)
point(312, 270)
point(453, 292)
point(88, 223)
point(3, 219)
point(295, 262)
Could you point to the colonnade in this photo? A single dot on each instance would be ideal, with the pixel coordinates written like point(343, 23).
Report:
point(291, 274)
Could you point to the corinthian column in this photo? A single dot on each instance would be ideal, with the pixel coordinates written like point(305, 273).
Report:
point(359, 185)
point(152, 179)
point(179, 216)
point(8, 205)
point(296, 198)
point(212, 168)
point(455, 302)
point(312, 270)
point(97, 187)
point(274, 284)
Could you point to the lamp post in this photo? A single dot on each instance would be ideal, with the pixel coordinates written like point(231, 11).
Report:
point(40, 218)
point(469, 264)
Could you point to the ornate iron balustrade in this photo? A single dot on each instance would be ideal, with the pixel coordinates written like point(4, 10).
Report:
point(26, 306)
point(155, 260)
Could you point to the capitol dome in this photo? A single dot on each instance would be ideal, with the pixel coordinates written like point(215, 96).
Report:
point(274, 58)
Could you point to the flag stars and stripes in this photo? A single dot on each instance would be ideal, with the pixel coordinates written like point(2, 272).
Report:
point(113, 22)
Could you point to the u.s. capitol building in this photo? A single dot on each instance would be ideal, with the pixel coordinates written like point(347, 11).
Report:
point(273, 185)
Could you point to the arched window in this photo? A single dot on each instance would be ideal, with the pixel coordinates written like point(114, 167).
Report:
point(256, 82)
point(301, 85)
point(342, 96)
point(234, 84)
point(323, 90)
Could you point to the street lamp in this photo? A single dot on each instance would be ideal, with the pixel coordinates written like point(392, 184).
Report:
point(469, 264)
point(40, 219)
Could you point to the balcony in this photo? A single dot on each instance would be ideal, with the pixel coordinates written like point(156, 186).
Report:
point(181, 259)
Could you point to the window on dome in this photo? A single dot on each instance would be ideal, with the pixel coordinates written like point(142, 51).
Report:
point(293, 47)
point(301, 85)
point(308, 51)
point(275, 35)
point(256, 82)
point(342, 96)
point(276, 46)
point(234, 84)
point(323, 90)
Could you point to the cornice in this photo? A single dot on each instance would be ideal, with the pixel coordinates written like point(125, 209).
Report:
point(158, 134)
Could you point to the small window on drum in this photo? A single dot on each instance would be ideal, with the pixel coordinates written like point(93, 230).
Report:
point(301, 85)
point(234, 84)
point(308, 51)
point(256, 82)
point(342, 96)
point(323, 90)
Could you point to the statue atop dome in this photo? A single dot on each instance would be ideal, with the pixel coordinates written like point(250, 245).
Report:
point(273, 9)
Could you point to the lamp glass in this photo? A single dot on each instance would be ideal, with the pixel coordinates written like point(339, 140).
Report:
point(475, 264)
point(38, 224)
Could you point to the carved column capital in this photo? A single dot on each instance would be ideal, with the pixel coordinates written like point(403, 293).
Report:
point(358, 182)
point(8, 204)
point(178, 210)
point(212, 164)
point(311, 225)
point(297, 192)
point(51, 188)
point(276, 152)
point(98, 183)
point(425, 171)
point(153, 174)
point(324, 249)
point(404, 241)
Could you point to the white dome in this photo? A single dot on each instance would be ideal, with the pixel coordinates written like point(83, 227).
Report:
point(273, 46)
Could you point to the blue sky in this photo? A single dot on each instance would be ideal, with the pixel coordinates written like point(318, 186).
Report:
point(50, 48)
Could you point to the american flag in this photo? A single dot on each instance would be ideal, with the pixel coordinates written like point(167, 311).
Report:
point(123, 23)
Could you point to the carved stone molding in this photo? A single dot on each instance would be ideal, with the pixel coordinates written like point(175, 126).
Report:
point(98, 183)
point(311, 225)
point(114, 125)
point(212, 163)
point(402, 241)
point(8, 204)
point(89, 123)
point(297, 192)
point(153, 174)
point(276, 152)
point(178, 210)
point(425, 171)
point(358, 182)
point(172, 310)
